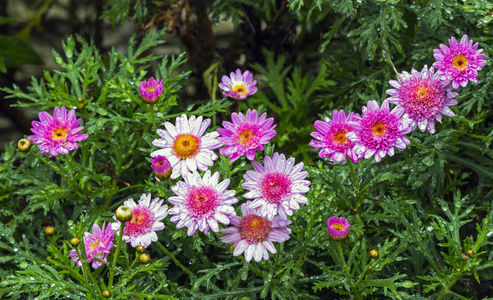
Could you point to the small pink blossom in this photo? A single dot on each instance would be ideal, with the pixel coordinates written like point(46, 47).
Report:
point(58, 133)
point(97, 245)
point(277, 186)
point(338, 228)
point(459, 63)
point(246, 134)
point(238, 85)
point(331, 137)
point(146, 220)
point(379, 130)
point(254, 233)
point(161, 167)
point(150, 90)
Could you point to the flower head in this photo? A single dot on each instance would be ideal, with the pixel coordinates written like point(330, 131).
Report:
point(459, 63)
point(150, 90)
point(331, 137)
point(58, 133)
point(200, 203)
point(277, 186)
point(161, 167)
point(338, 228)
point(424, 98)
point(246, 134)
point(185, 146)
point(254, 233)
point(146, 220)
point(97, 245)
point(379, 130)
point(238, 85)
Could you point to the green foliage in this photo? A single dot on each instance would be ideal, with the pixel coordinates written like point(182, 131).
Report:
point(427, 210)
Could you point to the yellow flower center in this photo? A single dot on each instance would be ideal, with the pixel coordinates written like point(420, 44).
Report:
point(151, 89)
point(341, 137)
point(58, 134)
point(338, 226)
point(97, 243)
point(460, 62)
point(378, 128)
point(240, 89)
point(185, 146)
point(245, 136)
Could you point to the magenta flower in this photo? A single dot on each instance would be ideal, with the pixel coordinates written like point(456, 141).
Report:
point(338, 228)
point(161, 167)
point(424, 97)
point(276, 187)
point(246, 134)
point(379, 130)
point(459, 63)
point(146, 220)
point(254, 233)
point(331, 137)
point(238, 86)
point(57, 134)
point(150, 90)
point(97, 245)
point(200, 203)
point(185, 146)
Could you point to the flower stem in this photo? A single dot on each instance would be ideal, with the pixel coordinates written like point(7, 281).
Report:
point(81, 253)
point(115, 257)
point(172, 257)
point(153, 118)
point(343, 260)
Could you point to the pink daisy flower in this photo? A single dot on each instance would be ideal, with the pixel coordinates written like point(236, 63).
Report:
point(246, 134)
point(57, 134)
point(338, 228)
point(379, 130)
point(331, 137)
point(161, 167)
point(238, 86)
point(254, 233)
point(97, 244)
point(185, 146)
point(424, 97)
point(200, 203)
point(459, 63)
point(151, 90)
point(276, 187)
point(146, 220)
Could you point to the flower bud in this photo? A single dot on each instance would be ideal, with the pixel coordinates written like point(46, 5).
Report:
point(144, 258)
point(49, 230)
point(465, 257)
point(373, 253)
point(150, 90)
point(123, 214)
point(75, 241)
point(338, 228)
point(106, 294)
point(161, 167)
point(141, 249)
point(24, 145)
point(470, 252)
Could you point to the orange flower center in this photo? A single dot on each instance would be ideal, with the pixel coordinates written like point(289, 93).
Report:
point(240, 89)
point(58, 134)
point(245, 136)
point(378, 128)
point(460, 62)
point(97, 243)
point(341, 137)
point(338, 226)
point(151, 89)
point(186, 145)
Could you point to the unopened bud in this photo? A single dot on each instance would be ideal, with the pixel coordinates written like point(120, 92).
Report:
point(465, 257)
point(141, 249)
point(24, 145)
point(373, 253)
point(49, 230)
point(106, 294)
point(144, 258)
point(123, 214)
point(470, 252)
point(75, 241)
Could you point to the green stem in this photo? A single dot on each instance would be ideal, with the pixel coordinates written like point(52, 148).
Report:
point(153, 118)
point(172, 257)
point(347, 271)
point(81, 253)
point(355, 183)
point(115, 257)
